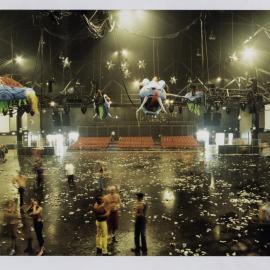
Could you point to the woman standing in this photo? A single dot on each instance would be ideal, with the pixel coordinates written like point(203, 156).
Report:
point(35, 211)
point(101, 225)
point(11, 218)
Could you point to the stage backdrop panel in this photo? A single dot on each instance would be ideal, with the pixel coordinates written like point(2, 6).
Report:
point(4, 120)
point(267, 117)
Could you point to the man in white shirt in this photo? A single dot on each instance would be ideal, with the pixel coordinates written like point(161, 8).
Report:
point(69, 168)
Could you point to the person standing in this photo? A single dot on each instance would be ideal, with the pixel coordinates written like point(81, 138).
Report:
point(27, 224)
point(20, 182)
point(140, 208)
point(112, 203)
point(69, 168)
point(101, 180)
point(39, 171)
point(35, 211)
point(101, 224)
point(11, 218)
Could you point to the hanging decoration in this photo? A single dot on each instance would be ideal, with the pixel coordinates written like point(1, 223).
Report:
point(13, 94)
point(173, 80)
point(102, 104)
point(66, 62)
point(110, 65)
point(141, 64)
point(152, 95)
point(193, 99)
point(124, 66)
point(127, 74)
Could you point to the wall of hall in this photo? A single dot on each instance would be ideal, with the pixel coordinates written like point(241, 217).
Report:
point(124, 123)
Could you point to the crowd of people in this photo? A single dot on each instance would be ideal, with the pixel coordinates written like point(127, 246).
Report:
point(107, 207)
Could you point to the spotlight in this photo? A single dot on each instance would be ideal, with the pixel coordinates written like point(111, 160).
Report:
point(239, 117)
point(171, 101)
point(243, 106)
point(116, 53)
point(19, 59)
point(126, 19)
point(52, 104)
point(218, 79)
point(167, 102)
point(83, 109)
point(124, 53)
point(248, 54)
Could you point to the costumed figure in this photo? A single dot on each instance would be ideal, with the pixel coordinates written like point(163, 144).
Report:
point(101, 105)
point(13, 94)
point(193, 99)
point(152, 95)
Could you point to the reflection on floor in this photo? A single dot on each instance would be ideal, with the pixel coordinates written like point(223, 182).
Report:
point(194, 210)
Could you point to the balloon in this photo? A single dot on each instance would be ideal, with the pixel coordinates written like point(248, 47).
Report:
point(12, 94)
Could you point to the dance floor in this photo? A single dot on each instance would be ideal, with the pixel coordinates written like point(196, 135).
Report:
point(191, 211)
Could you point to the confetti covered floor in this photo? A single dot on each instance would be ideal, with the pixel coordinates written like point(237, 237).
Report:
point(193, 209)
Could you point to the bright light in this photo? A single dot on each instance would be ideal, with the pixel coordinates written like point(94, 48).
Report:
point(219, 79)
point(239, 117)
point(136, 83)
point(124, 53)
point(168, 195)
point(57, 141)
point(203, 136)
point(116, 53)
point(230, 138)
point(234, 57)
point(52, 104)
point(126, 19)
point(139, 14)
point(168, 198)
point(220, 138)
point(73, 137)
point(248, 54)
point(19, 59)
point(171, 101)
point(167, 101)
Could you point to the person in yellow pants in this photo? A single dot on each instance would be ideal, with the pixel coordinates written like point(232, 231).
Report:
point(101, 223)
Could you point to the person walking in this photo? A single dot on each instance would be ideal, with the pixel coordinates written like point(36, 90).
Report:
point(140, 208)
point(20, 182)
point(101, 180)
point(11, 218)
point(39, 171)
point(101, 225)
point(35, 211)
point(112, 203)
point(27, 224)
point(69, 168)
